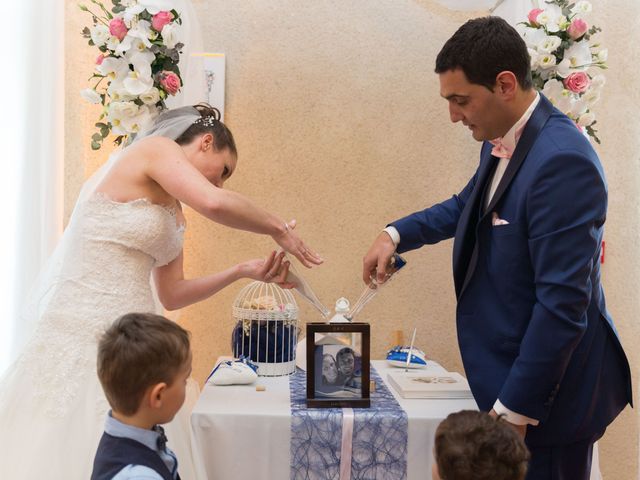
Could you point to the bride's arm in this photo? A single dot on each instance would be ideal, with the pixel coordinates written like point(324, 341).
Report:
point(169, 167)
point(174, 291)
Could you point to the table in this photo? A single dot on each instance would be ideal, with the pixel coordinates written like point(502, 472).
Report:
point(244, 434)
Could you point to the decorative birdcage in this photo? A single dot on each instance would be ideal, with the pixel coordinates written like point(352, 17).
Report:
point(267, 328)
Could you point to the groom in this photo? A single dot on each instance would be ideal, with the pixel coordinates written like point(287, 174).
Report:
point(537, 342)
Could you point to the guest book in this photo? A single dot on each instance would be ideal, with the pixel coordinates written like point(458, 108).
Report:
point(415, 384)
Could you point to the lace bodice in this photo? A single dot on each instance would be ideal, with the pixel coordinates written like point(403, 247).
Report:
point(112, 248)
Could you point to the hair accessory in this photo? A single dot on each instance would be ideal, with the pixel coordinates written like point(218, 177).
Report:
point(208, 121)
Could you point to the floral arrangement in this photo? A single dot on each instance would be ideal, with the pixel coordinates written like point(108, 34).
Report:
point(137, 68)
point(564, 57)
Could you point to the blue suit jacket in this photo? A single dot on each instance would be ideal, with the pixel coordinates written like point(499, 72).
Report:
point(533, 328)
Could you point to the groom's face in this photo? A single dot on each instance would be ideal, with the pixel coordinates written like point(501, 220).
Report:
point(477, 107)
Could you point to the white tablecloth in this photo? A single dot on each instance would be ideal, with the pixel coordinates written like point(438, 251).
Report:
point(245, 434)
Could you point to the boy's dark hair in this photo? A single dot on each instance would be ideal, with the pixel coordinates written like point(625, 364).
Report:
point(139, 350)
point(209, 122)
point(484, 47)
point(472, 445)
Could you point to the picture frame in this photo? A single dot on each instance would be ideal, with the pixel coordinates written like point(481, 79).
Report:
point(338, 369)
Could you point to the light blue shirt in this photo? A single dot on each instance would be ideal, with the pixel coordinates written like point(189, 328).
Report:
point(149, 438)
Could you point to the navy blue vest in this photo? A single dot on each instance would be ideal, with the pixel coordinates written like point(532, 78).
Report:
point(115, 453)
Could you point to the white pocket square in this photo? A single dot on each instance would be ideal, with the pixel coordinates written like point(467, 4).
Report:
point(496, 220)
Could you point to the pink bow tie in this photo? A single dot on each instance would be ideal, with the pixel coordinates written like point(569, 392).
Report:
point(499, 149)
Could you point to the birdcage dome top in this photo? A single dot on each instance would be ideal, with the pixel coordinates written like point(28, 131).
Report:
point(265, 301)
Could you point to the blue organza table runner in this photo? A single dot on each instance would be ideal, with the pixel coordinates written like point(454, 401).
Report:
point(379, 436)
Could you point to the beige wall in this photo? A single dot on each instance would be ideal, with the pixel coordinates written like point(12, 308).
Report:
point(339, 124)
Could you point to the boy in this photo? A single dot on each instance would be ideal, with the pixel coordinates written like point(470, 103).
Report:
point(471, 445)
point(144, 361)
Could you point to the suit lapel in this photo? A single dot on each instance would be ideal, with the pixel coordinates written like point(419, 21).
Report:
point(528, 138)
point(466, 229)
point(465, 250)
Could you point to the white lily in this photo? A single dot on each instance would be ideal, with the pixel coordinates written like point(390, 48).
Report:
point(564, 68)
point(131, 13)
point(533, 36)
point(550, 18)
point(141, 31)
point(115, 68)
point(579, 55)
point(118, 93)
point(139, 80)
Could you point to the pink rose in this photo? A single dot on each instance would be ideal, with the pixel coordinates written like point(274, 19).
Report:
point(100, 59)
point(170, 82)
point(577, 82)
point(117, 28)
point(160, 19)
point(533, 15)
point(577, 28)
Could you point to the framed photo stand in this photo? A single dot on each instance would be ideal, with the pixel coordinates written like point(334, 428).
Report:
point(338, 365)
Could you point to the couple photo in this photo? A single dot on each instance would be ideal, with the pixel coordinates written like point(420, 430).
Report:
point(453, 122)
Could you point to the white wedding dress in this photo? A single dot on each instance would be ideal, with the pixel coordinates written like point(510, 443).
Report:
point(52, 407)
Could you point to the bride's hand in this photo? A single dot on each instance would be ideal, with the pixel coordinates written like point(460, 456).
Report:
point(273, 269)
point(290, 242)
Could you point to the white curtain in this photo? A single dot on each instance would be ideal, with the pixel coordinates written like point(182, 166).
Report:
point(32, 132)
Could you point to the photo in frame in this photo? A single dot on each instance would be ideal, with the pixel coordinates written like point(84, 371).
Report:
point(338, 365)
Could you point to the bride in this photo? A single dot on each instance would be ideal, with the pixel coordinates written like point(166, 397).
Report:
point(126, 229)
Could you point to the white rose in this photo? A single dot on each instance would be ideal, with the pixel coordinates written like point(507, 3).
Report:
point(603, 55)
point(549, 44)
point(171, 34)
point(151, 96)
point(547, 60)
point(581, 7)
point(579, 107)
point(99, 34)
point(586, 119)
point(122, 110)
point(90, 95)
point(591, 96)
point(598, 81)
point(137, 123)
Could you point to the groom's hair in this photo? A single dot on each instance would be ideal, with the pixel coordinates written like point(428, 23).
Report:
point(472, 445)
point(484, 47)
point(137, 351)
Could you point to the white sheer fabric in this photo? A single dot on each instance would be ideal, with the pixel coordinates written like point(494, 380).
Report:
point(32, 126)
point(191, 68)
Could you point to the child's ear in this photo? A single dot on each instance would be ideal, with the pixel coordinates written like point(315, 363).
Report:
point(156, 394)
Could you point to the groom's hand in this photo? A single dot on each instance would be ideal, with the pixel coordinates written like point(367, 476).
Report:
point(374, 263)
point(520, 429)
